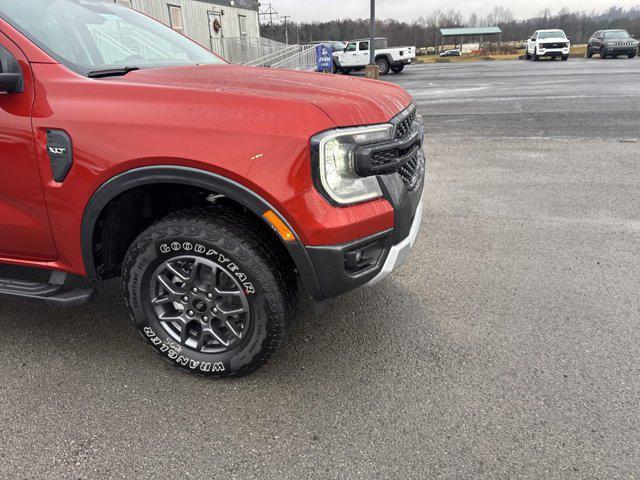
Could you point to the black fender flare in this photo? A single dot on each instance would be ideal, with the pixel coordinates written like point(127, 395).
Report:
point(386, 56)
point(218, 184)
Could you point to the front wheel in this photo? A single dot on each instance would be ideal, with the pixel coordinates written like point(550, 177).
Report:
point(397, 68)
point(632, 55)
point(565, 58)
point(207, 292)
point(383, 66)
point(603, 54)
point(589, 53)
point(535, 55)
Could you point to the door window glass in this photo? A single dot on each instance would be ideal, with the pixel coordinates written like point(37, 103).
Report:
point(175, 18)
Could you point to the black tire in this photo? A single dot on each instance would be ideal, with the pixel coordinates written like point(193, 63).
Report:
point(397, 68)
point(632, 55)
point(526, 55)
point(565, 58)
point(603, 56)
point(589, 53)
point(535, 55)
point(383, 66)
point(243, 254)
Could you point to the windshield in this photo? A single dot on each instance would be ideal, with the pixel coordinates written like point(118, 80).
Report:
point(616, 34)
point(551, 34)
point(94, 35)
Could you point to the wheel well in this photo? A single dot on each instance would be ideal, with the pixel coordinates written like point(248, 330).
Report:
point(385, 56)
point(133, 211)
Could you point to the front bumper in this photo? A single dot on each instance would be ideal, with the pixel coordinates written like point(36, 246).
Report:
point(621, 50)
point(367, 261)
point(554, 52)
point(398, 253)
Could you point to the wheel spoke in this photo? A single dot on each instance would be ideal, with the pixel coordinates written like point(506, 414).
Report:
point(178, 271)
point(229, 293)
point(172, 317)
point(233, 330)
point(217, 336)
point(162, 300)
point(235, 311)
point(169, 286)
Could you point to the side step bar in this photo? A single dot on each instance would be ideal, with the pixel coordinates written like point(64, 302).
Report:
point(54, 293)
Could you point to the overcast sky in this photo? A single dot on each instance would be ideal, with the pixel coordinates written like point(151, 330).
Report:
point(315, 10)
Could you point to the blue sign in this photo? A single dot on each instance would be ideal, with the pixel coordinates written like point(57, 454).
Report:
point(324, 57)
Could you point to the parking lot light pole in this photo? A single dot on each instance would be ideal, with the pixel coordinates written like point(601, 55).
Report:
point(372, 68)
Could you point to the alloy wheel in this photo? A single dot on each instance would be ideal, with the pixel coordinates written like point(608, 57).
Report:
point(199, 304)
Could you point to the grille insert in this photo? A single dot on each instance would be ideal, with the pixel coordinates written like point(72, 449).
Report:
point(412, 170)
point(404, 128)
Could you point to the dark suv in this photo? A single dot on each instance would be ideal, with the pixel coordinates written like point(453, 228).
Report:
point(611, 43)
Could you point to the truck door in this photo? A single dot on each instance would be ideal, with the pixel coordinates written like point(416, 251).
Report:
point(24, 223)
point(363, 53)
point(350, 55)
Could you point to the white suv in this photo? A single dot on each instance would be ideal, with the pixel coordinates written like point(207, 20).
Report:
point(548, 43)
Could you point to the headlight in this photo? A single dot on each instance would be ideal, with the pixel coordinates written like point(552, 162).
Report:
point(334, 169)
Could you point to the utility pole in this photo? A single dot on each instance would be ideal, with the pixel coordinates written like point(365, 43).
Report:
point(268, 11)
point(286, 28)
point(372, 69)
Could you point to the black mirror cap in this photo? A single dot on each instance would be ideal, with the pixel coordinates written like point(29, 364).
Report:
point(11, 83)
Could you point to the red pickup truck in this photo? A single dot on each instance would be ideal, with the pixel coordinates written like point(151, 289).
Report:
point(219, 194)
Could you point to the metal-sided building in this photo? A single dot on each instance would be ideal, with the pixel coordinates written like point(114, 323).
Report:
point(208, 22)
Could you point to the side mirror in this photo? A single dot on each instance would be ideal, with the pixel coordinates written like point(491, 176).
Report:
point(533, 39)
point(10, 82)
point(568, 39)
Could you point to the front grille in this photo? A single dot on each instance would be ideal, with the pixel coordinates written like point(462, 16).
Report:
point(411, 171)
point(385, 157)
point(622, 44)
point(405, 127)
point(554, 45)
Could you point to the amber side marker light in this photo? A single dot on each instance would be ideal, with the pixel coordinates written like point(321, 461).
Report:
point(281, 228)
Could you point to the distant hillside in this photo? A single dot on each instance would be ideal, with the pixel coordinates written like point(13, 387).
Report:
point(424, 31)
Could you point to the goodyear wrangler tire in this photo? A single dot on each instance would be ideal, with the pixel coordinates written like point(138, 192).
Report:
point(207, 293)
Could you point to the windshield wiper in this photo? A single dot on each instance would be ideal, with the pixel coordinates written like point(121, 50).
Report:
point(111, 72)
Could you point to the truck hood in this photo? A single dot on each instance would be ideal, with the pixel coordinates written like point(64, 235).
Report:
point(347, 101)
point(554, 40)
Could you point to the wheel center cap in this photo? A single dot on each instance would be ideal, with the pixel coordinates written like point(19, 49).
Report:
point(199, 306)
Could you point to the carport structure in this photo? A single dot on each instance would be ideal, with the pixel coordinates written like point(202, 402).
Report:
point(467, 35)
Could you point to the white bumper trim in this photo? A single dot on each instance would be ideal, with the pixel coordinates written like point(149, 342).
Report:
point(399, 253)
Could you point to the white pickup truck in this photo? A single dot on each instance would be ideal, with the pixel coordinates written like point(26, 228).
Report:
point(548, 43)
point(355, 56)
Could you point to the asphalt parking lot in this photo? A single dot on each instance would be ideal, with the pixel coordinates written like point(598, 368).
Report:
point(506, 347)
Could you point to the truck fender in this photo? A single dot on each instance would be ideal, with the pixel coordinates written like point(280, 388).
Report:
point(193, 177)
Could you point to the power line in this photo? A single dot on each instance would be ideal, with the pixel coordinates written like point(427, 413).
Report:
point(268, 11)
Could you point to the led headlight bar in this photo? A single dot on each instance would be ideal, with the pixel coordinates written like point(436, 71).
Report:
point(333, 152)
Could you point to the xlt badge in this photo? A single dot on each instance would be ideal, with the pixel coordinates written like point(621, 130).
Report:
point(57, 150)
point(60, 152)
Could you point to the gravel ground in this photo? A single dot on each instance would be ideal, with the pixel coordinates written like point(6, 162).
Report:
point(506, 347)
